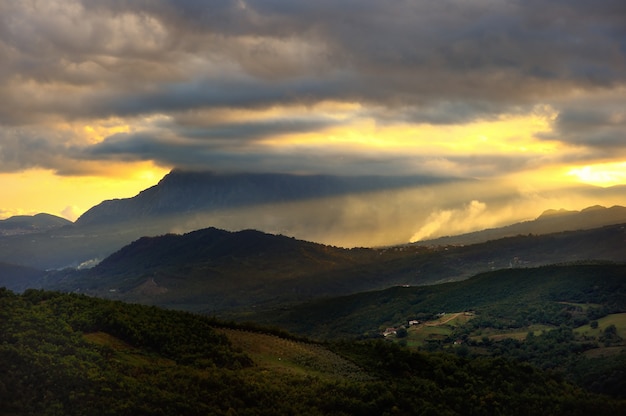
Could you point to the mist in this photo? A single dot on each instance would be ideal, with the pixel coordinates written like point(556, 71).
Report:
point(392, 217)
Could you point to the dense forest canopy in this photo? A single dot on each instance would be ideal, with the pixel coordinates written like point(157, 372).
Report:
point(64, 354)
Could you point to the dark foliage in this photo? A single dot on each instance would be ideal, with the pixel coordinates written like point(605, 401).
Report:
point(74, 355)
point(509, 297)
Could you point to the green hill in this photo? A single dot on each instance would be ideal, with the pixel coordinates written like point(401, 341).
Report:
point(74, 355)
point(515, 295)
point(217, 271)
point(569, 319)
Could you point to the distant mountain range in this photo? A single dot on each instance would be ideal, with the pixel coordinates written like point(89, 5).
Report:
point(550, 221)
point(311, 207)
point(217, 271)
point(28, 224)
point(184, 201)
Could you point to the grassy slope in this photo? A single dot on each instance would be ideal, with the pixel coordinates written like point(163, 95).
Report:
point(274, 353)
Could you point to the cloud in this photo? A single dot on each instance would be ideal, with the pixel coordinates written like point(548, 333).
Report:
point(453, 221)
point(71, 212)
point(597, 123)
point(157, 65)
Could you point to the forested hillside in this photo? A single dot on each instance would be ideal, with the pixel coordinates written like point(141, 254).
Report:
point(218, 271)
point(570, 319)
point(517, 295)
point(74, 355)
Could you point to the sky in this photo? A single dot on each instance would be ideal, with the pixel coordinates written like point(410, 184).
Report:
point(101, 98)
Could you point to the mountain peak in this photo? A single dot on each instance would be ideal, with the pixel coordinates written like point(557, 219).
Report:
point(594, 208)
point(27, 224)
point(551, 213)
point(188, 191)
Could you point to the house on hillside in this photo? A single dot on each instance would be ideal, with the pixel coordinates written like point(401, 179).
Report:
point(389, 332)
point(414, 322)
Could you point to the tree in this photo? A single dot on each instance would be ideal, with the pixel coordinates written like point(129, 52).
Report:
point(401, 332)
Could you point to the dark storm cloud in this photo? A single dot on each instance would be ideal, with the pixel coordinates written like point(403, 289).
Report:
point(596, 124)
point(196, 155)
point(243, 93)
point(254, 130)
point(229, 157)
point(438, 62)
point(31, 148)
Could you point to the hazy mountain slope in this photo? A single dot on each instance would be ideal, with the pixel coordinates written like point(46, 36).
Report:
point(18, 278)
point(181, 192)
point(219, 271)
point(70, 246)
point(27, 224)
point(215, 269)
point(550, 221)
point(315, 206)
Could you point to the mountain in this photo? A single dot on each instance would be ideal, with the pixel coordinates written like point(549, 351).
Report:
point(312, 207)
point(212, 269)
point(550, 221)
point(183, 192)
point(338, 210)
point(28, 224)
point(218, 271)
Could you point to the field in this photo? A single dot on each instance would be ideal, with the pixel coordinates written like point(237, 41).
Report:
point(270, 352)
point(435, 330)
point(443, 327)
point(617, 319)
point(126, 353)
point(518, 333)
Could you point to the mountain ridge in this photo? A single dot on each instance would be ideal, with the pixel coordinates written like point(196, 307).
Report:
point(550, 221)
point(220, 271)
point(28, 224)
point(184, 201)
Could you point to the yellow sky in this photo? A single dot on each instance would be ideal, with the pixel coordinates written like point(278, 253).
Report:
point(505, 135)
point(34, 191)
